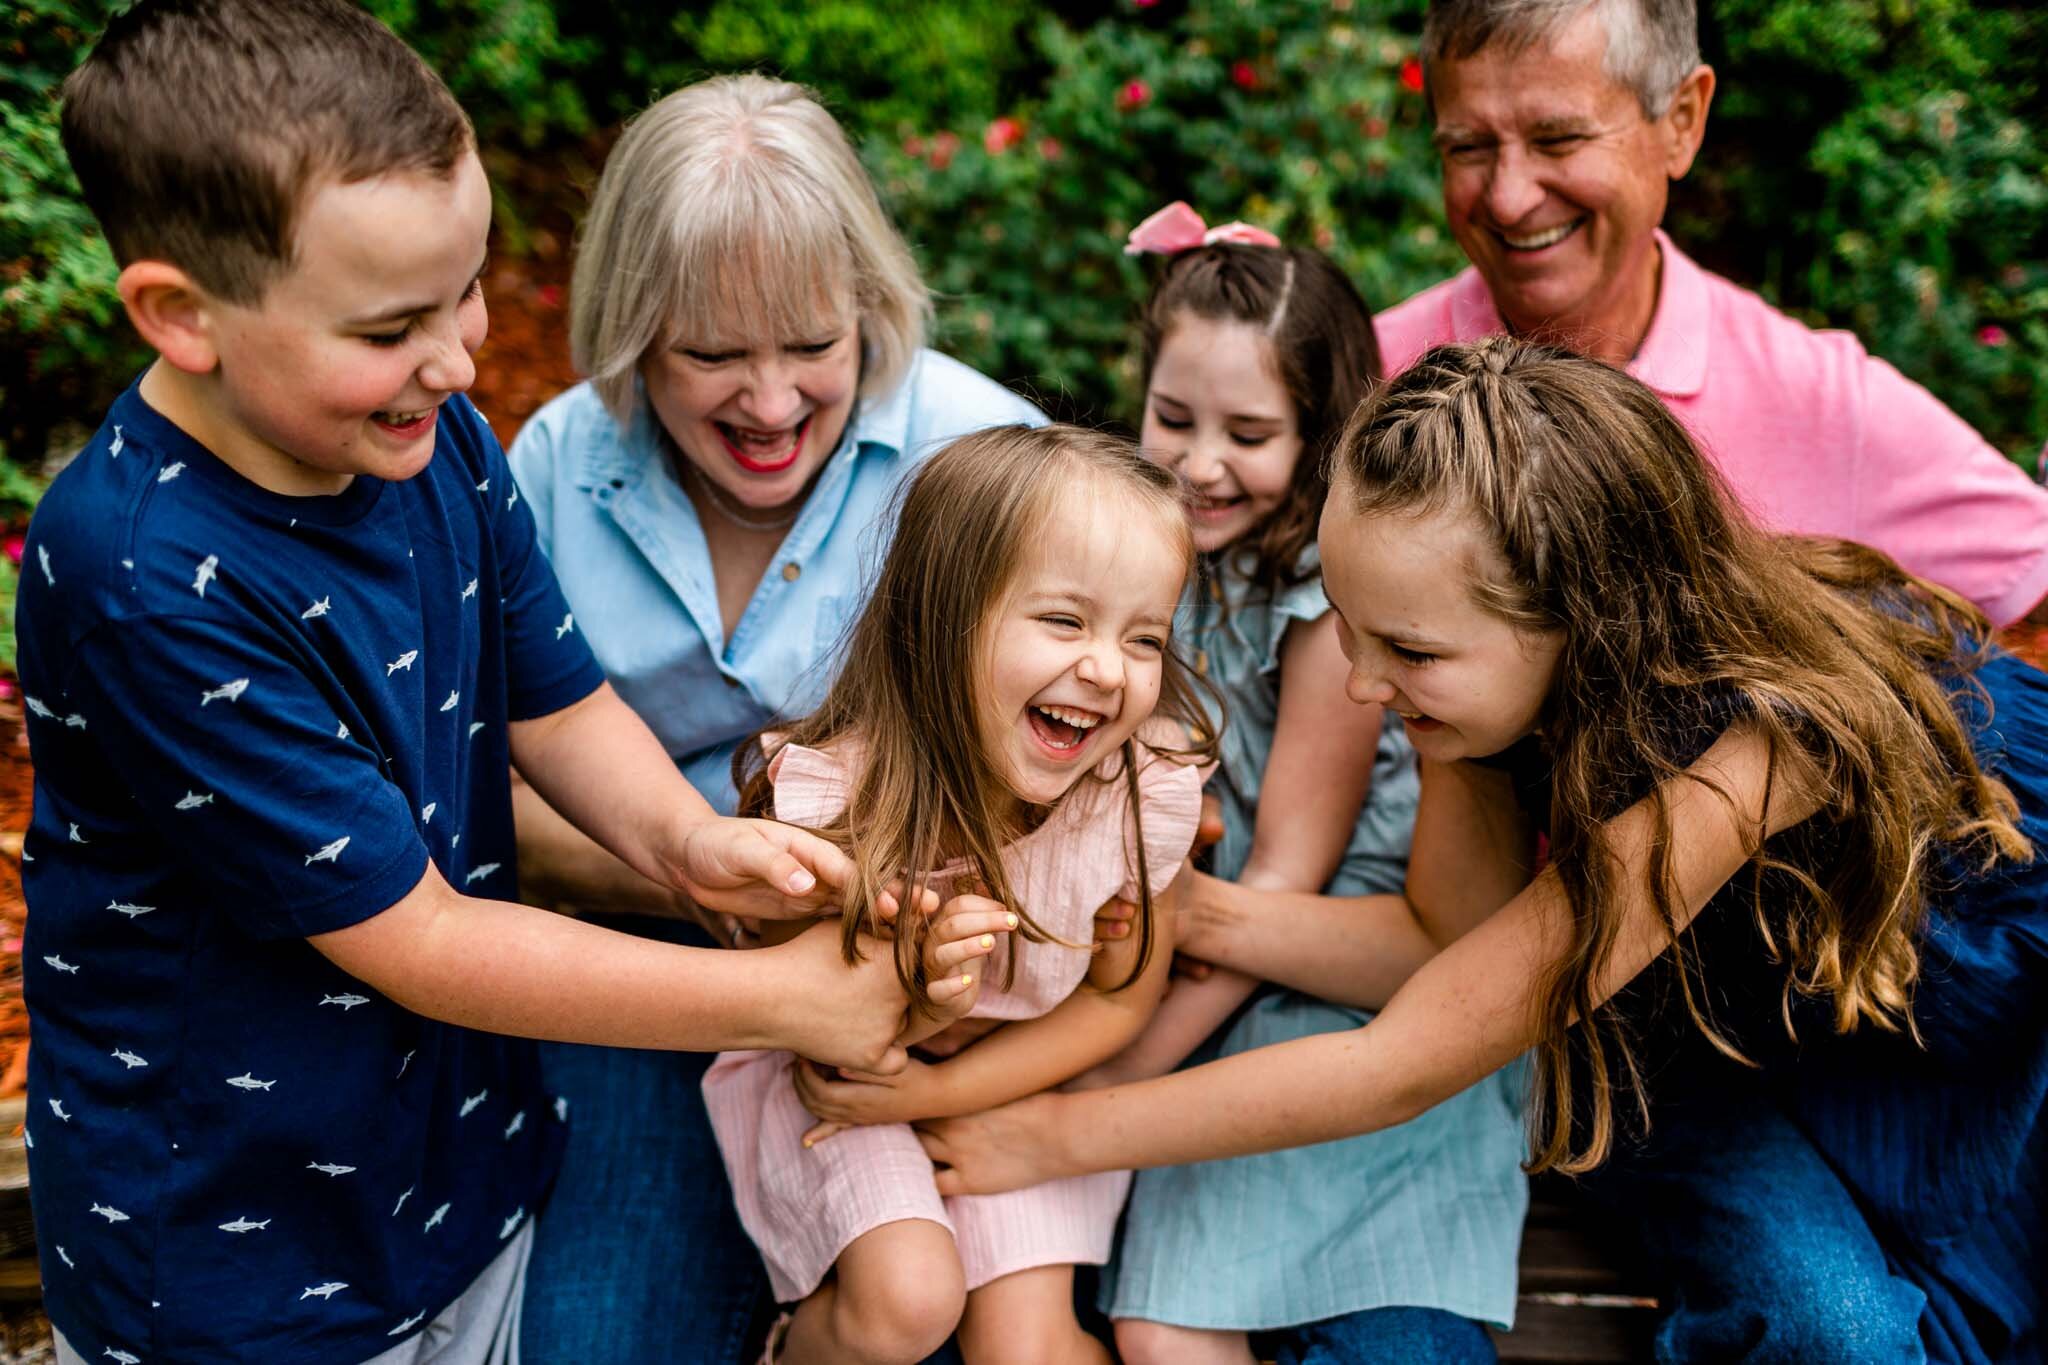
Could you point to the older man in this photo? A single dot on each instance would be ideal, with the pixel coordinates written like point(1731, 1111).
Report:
point(1561, 124)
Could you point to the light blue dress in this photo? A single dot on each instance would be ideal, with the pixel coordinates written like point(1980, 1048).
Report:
point(1428, 1214)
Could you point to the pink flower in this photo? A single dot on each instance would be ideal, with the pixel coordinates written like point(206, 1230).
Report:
point(1244, 75)
point(1135, 94)
point(1992, 335)
point(1144, 4)
point(913, 145)
point(944, 145)
point(1001, 135)
point(1050, 148)
point(17, 546)
point(1375, 127)
point(1411, 75)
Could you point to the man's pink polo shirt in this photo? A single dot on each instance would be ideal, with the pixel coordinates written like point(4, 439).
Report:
point(1815, 434)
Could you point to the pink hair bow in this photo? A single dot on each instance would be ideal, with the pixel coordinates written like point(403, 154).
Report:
point(1177, 228)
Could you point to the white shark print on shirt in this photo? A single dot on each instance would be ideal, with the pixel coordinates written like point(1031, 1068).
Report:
point(511, 1224)
point(407, 1325)
point(512, 501)
point(67, 1258)
point(324, 1291)
point(130, 909)
point(76, 837)
point(562, 1108)
point(57, 1108)
point(427, 812)
point(404, 661)
point(245, 1225)
point(347, 1002)
point(328, 1168)
point(403, 1063)
point(209, 569)
point(477, 874)
point(108, 1212)
point(472, 1102)
point(328, 853)
point(75, 722)
point(469, 590)
point(518, 1122)
point(127, 1058)
point(60, 964)
point(449, 705)
point(484, 487)
point(120, 1357)
point(475, 726)
point(36, 708)
point(114, 446)
point(319, 608)
point(227, 691)
point(401, 1201)
point(192, 800)
point(341, 731)
point(43, 558)
point(434, 1219)
point(247, 1081)
point(170, 471)
point(568, 624)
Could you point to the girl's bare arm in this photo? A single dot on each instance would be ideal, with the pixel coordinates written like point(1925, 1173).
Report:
point(1474, 848)
point(1466, 1013)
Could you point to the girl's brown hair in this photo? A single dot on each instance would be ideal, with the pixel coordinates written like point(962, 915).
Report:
point(1618, 535)
point(1323, 344)
point(913, 675)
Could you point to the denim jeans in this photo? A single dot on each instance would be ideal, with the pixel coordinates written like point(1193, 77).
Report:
point(1761, 1250)
point(638, 1255)
point(1394, 1336)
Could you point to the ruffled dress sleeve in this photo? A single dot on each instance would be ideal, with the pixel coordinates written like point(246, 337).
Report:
point(1169, 809)
point(811, 786)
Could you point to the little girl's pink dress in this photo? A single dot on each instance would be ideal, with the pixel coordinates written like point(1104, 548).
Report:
point(802, 1207)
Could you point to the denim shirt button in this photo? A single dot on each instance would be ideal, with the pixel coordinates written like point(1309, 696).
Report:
point(790, 571)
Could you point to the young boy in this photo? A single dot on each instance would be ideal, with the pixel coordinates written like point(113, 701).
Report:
point(283, 630)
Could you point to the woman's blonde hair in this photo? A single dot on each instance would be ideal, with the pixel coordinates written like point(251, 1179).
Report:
point(737, 201)
point(911, 685)
point(1678, 614)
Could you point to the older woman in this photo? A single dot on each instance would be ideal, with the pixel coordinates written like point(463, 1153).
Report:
point(713, 499)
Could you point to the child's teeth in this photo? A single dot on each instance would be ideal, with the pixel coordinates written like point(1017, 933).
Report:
point(1080, 720)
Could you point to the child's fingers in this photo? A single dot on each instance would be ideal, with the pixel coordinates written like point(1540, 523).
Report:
point(948, 989)
point(971, 924)
point(945, 957)
point(1193, 968)
point(1113, 921)
point(823, 1131)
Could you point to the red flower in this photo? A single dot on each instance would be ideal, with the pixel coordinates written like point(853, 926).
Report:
point(1050, 148)
point(1375, 127)
point(1144, 4)
point(1135, 94)
point(1001, 135)
point(944, 145)
point(913, 145)
point(1992, 335)
point(1411, 75)
point(1244, 75)
point(17, 546)
point(550, 295)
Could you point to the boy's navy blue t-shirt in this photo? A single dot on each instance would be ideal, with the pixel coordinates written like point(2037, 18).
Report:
point(255, 718)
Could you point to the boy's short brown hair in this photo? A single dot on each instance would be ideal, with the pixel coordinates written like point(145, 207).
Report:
point(197, 127)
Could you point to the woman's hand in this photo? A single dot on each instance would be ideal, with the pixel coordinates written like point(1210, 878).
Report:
point(844, 1098)
point(1008, 1148)
point(841, 1015)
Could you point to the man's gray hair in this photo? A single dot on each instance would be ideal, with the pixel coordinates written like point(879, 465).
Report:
point(1652, 45)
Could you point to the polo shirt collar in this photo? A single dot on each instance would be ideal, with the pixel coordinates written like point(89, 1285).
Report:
point(1673, 357)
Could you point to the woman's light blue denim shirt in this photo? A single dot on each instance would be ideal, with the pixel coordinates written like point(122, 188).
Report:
point(631, 556)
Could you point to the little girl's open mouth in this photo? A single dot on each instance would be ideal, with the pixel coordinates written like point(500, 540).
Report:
point(1063, 729)
point(764, 452)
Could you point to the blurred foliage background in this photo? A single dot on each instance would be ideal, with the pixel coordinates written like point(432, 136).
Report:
point(1871, 164)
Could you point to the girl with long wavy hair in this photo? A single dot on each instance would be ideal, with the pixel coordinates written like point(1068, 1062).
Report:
point(1789, 901)
point(1010, 715)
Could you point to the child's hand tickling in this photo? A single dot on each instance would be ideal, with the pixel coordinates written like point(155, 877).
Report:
point(963, 931)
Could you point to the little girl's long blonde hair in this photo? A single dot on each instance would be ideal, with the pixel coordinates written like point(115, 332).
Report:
point(911, 685)
point(1620, 537)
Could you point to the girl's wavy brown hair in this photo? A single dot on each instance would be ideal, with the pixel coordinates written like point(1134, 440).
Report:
point(1618, 536)
point(914, 673)
point(1325, 351)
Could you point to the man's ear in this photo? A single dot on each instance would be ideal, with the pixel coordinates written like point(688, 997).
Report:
point(173, 314)
point(1685, 122)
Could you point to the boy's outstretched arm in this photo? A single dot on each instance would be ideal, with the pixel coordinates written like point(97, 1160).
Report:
point(598, 764)
point(514, 969)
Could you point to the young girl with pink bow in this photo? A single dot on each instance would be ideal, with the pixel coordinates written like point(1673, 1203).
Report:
point(1254, 356)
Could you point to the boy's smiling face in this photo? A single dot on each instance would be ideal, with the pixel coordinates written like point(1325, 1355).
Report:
point(341, 367)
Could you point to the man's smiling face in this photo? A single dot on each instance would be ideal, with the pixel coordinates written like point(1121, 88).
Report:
point(1555, 181)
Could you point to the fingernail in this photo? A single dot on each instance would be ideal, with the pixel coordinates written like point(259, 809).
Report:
point(807, 1142)
point(1010, 921)
point(966, 981)
point(801, 881)
point(988, 940)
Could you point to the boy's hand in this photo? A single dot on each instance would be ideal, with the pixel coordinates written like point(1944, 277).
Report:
point(846, 1099)
point(841, 1015)
point(759, 869)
